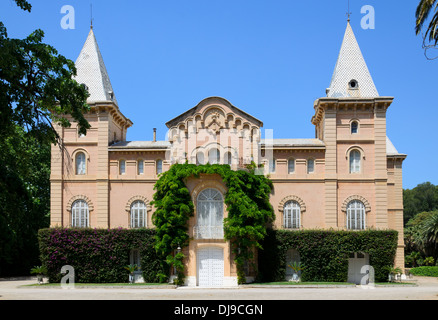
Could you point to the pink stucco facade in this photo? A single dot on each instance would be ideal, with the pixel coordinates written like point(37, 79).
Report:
point(315, 175)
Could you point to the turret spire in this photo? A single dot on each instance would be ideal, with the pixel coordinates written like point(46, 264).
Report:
point(91, 71)
point(351, 77)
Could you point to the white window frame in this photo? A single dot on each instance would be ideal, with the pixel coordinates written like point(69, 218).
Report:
point(122, 167)
point(81, 163)
point(292, 215)
point(138, 215)
point(355, 161)
point(310, 169)
point(356, 123)
point(159, 166)
point(80, 214)
point(200, 158)
point(208, 225)
point(214, 158)
point(356, 215)
point(140, 167)
point(291, 166)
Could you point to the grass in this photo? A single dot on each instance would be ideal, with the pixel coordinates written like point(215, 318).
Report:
point(100, 284)
point(292, 283)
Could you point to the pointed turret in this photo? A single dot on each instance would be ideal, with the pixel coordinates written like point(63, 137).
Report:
point(92, 72)
point(351, 77)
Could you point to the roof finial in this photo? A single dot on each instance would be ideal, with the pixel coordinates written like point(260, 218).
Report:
point(91, 13)
point(348, 12)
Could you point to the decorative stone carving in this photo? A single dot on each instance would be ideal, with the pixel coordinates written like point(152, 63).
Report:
point(214, 119)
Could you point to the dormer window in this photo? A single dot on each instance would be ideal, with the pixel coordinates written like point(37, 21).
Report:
point(353, 84)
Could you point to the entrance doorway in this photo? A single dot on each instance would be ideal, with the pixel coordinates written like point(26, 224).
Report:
point(210, 267)
point(355, 263)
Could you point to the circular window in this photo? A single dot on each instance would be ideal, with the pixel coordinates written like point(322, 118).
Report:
point(353, 84)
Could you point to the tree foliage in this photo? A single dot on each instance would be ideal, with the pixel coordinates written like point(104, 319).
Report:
point(247, 201)
point(422, 198)
point(24, 200)
point(37, 90)
point(421, 223)
point(425, 9)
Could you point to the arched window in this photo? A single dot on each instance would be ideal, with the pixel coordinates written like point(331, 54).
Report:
point(122, 166)
point(355, 161)
point(354, 127)
point(81, 165)
point(214, 156)
point(159, 166)
point(210, 215)
point(292, 215)
point(356, 215)
point(200, 158)
point(227, 158)
point(291, 166)
point(80, 214)
point(310, 166)
point(140, 167)
point(138, 214)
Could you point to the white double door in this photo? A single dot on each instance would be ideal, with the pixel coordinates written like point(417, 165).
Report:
point(356, 262)
point(210, 265)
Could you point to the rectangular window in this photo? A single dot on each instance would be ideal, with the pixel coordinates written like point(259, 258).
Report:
point(159, 165)
point(122, 167)
point(291, 166)
point(310, 166)
point(140, 167)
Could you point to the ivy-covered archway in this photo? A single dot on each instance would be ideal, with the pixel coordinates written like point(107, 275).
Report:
point(247, 201)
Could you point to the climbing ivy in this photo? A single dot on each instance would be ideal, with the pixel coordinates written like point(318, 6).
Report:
point(247, 201)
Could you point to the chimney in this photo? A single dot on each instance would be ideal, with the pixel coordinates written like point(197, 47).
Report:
point(155, 134)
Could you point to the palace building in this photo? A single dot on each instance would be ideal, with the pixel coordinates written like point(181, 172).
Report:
point(347, 177)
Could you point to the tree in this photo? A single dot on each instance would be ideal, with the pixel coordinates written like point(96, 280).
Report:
point(424, 9)
point(422, 198)
point(429, 234)
point(37, 90)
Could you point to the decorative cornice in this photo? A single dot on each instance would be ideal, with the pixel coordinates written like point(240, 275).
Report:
point(291, 198)
point(80, 197)
point(358, 198)
point(137, 198)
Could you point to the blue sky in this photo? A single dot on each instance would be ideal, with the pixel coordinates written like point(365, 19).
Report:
point(272, 59)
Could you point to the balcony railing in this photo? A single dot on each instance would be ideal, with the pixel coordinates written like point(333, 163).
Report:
point(208, 232)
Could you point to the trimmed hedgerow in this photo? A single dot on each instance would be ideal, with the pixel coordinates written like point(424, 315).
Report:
point(97, 255)
point(324, 253)
point(425, 271)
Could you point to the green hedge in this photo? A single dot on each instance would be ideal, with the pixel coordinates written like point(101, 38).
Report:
point(325, 253)
point(425, 271)
point(98, 255)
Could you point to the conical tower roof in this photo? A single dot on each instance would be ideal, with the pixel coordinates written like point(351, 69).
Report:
point(351, 77)
point(92, 72)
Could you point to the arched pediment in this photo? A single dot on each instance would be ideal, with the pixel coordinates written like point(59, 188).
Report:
point(137, 198)
point(291, 198)
point(80, 197)
point(358, 198)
